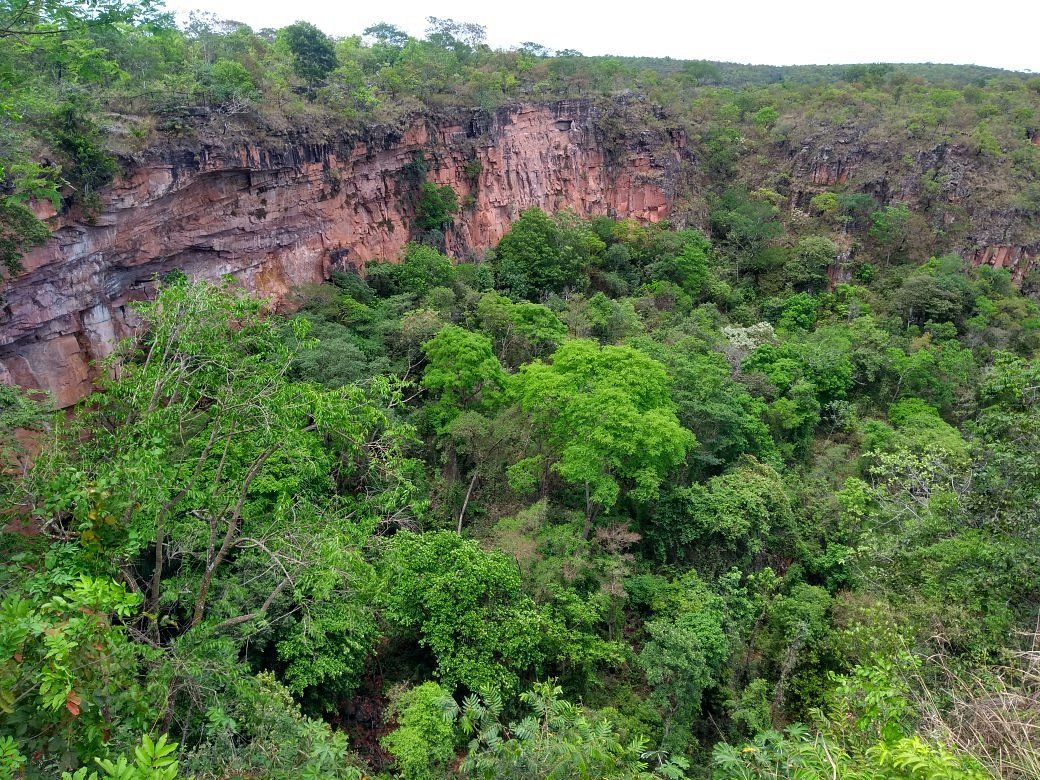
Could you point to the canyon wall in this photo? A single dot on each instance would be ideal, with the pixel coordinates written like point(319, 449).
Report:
point(279, 210)
point(279, 207)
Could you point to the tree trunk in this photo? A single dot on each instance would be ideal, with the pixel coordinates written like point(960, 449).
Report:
point(465, 503)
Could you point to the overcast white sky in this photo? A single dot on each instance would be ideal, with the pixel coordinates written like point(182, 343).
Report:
point(998, 33)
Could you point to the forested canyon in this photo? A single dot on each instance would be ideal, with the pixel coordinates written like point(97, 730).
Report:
point(385, 406)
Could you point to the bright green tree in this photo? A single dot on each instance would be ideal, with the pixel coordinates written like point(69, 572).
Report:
point(556, 740)
point(204, 462)
point(423, 743)
point(462, 372)
point(466, 606)
point(437, 206)
point(607, 415)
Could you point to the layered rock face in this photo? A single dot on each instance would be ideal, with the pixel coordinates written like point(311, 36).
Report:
point(278, 211)
point(278, 208)
point(971, 201)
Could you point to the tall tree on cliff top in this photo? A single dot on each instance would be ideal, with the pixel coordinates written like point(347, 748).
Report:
point(314, 56)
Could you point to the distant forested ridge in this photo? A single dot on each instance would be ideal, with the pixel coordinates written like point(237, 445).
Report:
point(751, 493)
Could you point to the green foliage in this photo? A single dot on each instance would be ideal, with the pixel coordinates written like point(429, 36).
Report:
point(467, 607)
point(462, 371)
point(733, 519)
point(421, 269)
point(226, 535)
point(66, 663)
point(799, 753)
point(888, 227)
point(827, 203)
point(20, 230)
point(313, 54)
point(683, 655)
point(11, 761)
point(151, 761)
point(719, 411)
point(536, 256)
point(18, 411)
point(78, 138)
point(743, 223)
point(813, 255)
point(765, 117)
point(231, 81)
point(798, 312)
point(216, 449)
point(255, 728)
point(423, 743)
point(856, 209)
point(556, 740)
point(862, 735)
point(607, 415)
point(521, 331)
point(437, 206)
point(689, 267)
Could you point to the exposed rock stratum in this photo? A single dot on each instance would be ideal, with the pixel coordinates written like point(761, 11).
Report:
point(286, 210)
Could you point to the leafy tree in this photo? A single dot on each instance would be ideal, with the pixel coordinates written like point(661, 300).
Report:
point(220, 473)
point(682, 656)
point(424, 740)
point(556, 740)
point(827, 203)
point(725, 418)
point(609, 321)
point(532, 259)
point(765, 117)
point(888, 227)
point(255, 728)
point(231, 81)
point(798, 312)
point(463, 39)
point(387, 34)
point(521, 331)
point(467, 607)
point(856, 208)
point(54, 17)
point(437, 206)
point(18, 412)
point(421, 269)
point(607, 415)
point(462, 371)
point(814, 255)
point(67, 666)
point(686, 264)
point(933, 292)
point(20, 230)
point(743, 513)
point(313, 53)
point(79, 140)
point(801, 753)
point(743, 223)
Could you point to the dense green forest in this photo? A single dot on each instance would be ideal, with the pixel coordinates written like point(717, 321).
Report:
point(754, 500)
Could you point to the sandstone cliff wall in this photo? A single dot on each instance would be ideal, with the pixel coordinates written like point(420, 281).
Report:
point(281, 207)
point(284, 211)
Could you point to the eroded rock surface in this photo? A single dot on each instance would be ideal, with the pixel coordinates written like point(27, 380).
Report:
point(277, 208)
point(279, 211)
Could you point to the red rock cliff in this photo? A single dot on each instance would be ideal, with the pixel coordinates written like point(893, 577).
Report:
point(282, 211)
